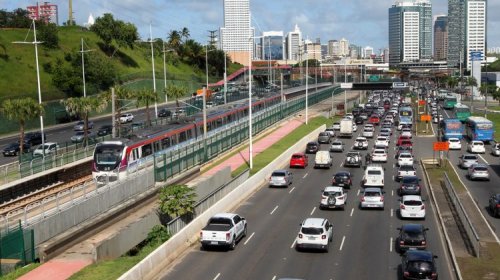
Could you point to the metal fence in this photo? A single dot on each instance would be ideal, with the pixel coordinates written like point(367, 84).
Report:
point(462, 215)
point(17, 248)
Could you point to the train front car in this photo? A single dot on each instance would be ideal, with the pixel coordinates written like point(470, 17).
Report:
point(109, 161)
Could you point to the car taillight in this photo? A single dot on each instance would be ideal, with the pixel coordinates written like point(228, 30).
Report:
point(423, 242)
point(300, 235)
point(434, 275)
point(381, 199)
point(422, 207)
point(94, 167)
point(401, 242)
point(498, 205)
point(349, 181)
point(228, 235)
point(406, 274)
point(324, 197)
point(334, 181)
point(402, 206)
point(323, 236)
point(362, 198)
point(201, 234)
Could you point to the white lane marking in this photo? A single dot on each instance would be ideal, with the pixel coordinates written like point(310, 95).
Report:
point(274, 209)
point(393, 165)
point(291, 190)
point(352, 211)
point(393, 177)
point(392, 212)
point(484, 159)
point(248, 239)
point(358, 192)
point(392, 193)
point(312, 211)
point(274, 277)
point(447, 116)
point(341, 164)
point(305, 175)
point(390, 245)
point(342, 243)
point(217, 276)
point(293, 244)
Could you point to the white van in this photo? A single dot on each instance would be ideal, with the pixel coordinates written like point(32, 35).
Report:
point(323, 160)
point(374, 176)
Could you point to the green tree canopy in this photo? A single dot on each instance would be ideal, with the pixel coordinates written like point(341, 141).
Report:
point(177, 200)
point(47, 33)
point(109, 30)
point(176, 92)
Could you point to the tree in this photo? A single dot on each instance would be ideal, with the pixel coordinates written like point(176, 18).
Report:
point(82, 106)
point(21, 110)
point(146, 97)
point(177, 200)
point(47, 33)
point(109, 30)
point(495, 93)
point(185, 33)
point(174, 40)
point(174, 91)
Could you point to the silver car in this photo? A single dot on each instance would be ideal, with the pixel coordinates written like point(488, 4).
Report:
point(372, 198)
point(280, 178)
point(466, 160)
point(495, 149)
point(478, 171)
point(337, 146)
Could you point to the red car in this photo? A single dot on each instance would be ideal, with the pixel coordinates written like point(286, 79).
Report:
point(374, 119)
point(406, 143)
point(299, 160)
point(401, 139)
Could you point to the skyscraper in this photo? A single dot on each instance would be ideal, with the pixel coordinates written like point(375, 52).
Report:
point(236, 33)
point(441, 38)
point(410, 31)
point(273, 45)
point(456, 32)
point(293, 43)
point(475, 30)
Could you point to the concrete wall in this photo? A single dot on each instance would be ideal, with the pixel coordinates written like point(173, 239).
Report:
point(189, 234)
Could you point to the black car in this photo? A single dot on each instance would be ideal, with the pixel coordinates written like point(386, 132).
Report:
point(410, 185)
point(359, 120)
point(163, 113)
point(34, 138)
point(13, 149)
point(105, 130)
point(312, 147)
point(411, 236)
point(417, 264)
point(356, 111)
point(342, 179)
point(494, 205)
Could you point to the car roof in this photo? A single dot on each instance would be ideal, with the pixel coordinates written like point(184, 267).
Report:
point(343, 172)
point(373, 190)
point(333, 189)
point(411, 197)
point(313, 222)
point(419, 255)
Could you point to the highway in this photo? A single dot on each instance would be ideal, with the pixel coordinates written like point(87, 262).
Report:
point(363, 245)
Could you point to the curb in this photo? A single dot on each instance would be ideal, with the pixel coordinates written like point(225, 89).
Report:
point(449, 246)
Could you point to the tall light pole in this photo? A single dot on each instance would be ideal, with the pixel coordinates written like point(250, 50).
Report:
point(35, 42)
point(164, 51)
point(345, 81)
point(225, 77)
point(307, 87)
point(250, 145)
point(151, 41)
point(83, 68)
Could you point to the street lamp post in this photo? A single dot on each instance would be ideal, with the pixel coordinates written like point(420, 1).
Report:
point(307, 86)
point(151, 41)
point(164, 51)
point(225, 78)
point(35, 42)
point(250, 146)
point(345, 81)
point(83, 68)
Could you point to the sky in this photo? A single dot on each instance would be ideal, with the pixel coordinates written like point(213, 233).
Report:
point(362, 22)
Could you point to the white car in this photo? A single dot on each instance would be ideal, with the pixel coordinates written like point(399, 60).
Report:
point(454, 144)
point(46, 149)
point(412, 207)
point(389, 118)
point(337, 146)
point(367, 132)
point(360, 143)
point(372, 198)
point(349, 116)
point(333, 197)
point(336, 126)
point(437, 118)
point(406, 132)
point(354, 127)
point(374, 176)
point(382, 141)
point(476, 147)
point(314, 233)
point(379, 155)
point(495, 149)
point(125, 118)
point(405, 159)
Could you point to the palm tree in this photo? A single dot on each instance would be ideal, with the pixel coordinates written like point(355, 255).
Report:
point(174, 40)
point(177, 200)
point(174, 91)
point(82, 106)
point(185, 33)
point(22, 110)
point(146, 97)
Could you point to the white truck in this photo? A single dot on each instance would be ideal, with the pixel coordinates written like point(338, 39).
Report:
point(223, 229)
point(323, 160)
point(346, 128)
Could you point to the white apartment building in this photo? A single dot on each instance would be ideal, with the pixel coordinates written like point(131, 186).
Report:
point(237, 30)
point(475, 29)
point(293, 44)
point(344, 47)
point(411, 36)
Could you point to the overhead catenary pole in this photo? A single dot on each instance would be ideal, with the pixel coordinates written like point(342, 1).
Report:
point(250, 145)
point(113, 114)
point(153, 66)
point(307, 86)
point(83, 68)
point(165, 73)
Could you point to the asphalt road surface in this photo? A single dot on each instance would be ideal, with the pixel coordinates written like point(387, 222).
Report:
point(363, 244)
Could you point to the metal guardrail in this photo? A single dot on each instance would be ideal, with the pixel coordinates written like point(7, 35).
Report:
point(462, 215)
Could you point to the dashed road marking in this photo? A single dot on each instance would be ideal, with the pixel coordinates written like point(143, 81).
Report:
point(484, 159)
point(352, 211)
point(358, 192)
point(248, 239)
point(217, 276)
point(305, 175)
point(293, 244)
point(392, 212)
point(291, 190)
point(390, 245)
point(342, 243)
point(274, 209)
point(392, 193)
point(312, 212)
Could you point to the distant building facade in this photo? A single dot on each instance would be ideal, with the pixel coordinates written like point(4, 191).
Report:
point(441, 38)
point(236, 33)
point(45, 12)
point(293, 44)
point(273, 45)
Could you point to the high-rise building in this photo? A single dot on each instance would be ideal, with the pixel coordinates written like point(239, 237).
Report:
point(368, 52)
point(466, 31)
point(293, 44)
point(46, 12)
point(312, 50)
point(410, 31)
point(273, 45)
point(441, 38)
point(344, 47)
point(236, 33)
point(355, 51)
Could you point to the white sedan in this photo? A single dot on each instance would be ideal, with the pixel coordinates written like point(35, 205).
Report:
point(405, 159)
point(476, 146)
point(382, 141)
point(379, 155)
point(454, 144)
point(412, 207)
point(406, 132)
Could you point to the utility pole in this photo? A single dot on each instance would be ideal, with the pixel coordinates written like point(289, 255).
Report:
point(83, 68)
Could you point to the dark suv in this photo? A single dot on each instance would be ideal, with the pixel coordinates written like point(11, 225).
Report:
point(411, 236)
point(410, 185)
point(312, 147)
point(342, 179)
point(494, 205)
point(163, 113)
point(34, 138)
point(105, 130)
point(416, 264)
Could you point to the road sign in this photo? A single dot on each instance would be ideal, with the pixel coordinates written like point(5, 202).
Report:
point(425, 118)
point(441, 146)
point(421, 102)
point(399, 85)
point(346, 85)
point(476, 56)
point(374, 78)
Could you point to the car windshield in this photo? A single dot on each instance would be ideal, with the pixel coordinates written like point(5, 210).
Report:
point(406, 168)
point(410, 180)
point(278, 174)
point(379, 152)
point(374, 172)
point(405, 156)
point(334, 193)
point(480, 168)
point(420, 266)
point(470, 157)
point(372, 194)
point(312, 230)
point(412, 202)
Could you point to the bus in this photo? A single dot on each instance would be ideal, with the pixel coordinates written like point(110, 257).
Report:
point(450, 101)
point(461, 111)
point(441, 94)
point(405, 116)
point(479, 128)
point(451, 128)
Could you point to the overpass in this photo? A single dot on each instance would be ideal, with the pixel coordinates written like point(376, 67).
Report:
point(375, 86)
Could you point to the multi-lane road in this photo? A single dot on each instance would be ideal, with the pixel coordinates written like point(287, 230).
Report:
point(363, 244)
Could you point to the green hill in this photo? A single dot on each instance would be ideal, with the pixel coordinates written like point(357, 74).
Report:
point(18, 67)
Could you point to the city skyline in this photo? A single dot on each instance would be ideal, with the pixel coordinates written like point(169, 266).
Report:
point(363, 23)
